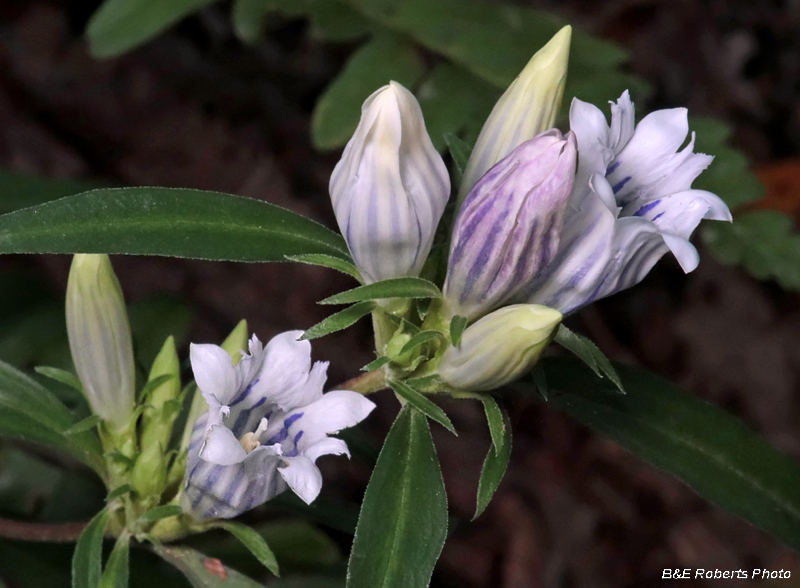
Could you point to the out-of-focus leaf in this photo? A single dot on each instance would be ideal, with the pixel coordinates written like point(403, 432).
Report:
point(25, 483)
point(22, 190)
point(403, 522)
point(455, 101)
point(65, 377)
point(711, 451)
point(336, 515)
point(87, 561)
point(153, 319)
point(392, 288)
point(161, 512)
point(29, 412)
point(340, 320)
point(764, 242)
point(202, 571)
point(494, 466)
point(116, 573)
point(120, 25)
point(383, 59)
point(729, 175)
point(166, 221)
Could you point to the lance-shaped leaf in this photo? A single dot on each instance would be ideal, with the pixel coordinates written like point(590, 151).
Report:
point(255, 543)
point(588, 353)
point(116, 573)
point(202, 571)
point(403, 522)
point(87, 561)
point(392, 288)
point(166, 221)
point(329, 261)
point(713, 452)
point(422, 404)
point(340, 320)
point(495, 464)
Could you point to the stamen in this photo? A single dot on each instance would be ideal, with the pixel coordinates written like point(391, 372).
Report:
point(250, 441)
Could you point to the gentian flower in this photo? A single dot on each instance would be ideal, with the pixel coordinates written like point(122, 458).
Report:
point(508, 227)
point(390, 188)
point(500, 347)
point(528, 107)
point(632, 202)
point(268, 421)
point(100, 338)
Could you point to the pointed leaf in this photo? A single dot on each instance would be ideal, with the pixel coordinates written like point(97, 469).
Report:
point(460, 153)
point(166, 221)
point(420, 339)
point(119, 491)
point(202, 571)
point(340, 320)
point(457, 327)
point(376, 364)
point(120, 25)
point(713, 452)
point(422, 404)
point(393, 288)
point(161, 512)
point(83, 425)
point(59, 375)
point(589, 353)
point(87, 561)
point(403, 522)
point(254, 543)
point(494, 417)
point(494, 466)
point(116, 573)
point(329, 261)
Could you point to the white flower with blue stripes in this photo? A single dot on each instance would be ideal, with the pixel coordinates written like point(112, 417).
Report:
point(268, 422)
point(631, 202)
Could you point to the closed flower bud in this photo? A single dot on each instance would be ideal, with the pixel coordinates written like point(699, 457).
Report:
point(159, 416)
point(500, 347)
point(100, 338)
point(150, 471)
point(528, 107)
point(508, 228)
point(390, 188)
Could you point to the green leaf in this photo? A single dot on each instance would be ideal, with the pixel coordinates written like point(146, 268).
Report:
point(202, 571)
point(454, 101)
point(376, 364)
point(88, 557)
point(30, 412)
point(120, 25)
point(764, 242)
point(166, 221)
point(249, 18)
point(153, 384)
point(392, 288)
point(161, 512)
point(716, 454)
point(22, 190)
point(457, 327)
point(422, 404)
point(153, 319)
point(116, 572)
point(497, 425)
point(59, 375)
point(403, 522)
point(589, 353)
point(376, 63)
point(254, 543)
point(494, 466)
point(340, 320)
point(83, 425)
point(328, 261)
point(420, 339)
point(119, 491)
point(729, 175)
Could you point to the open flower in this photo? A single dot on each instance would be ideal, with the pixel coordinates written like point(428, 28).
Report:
point(268, 421)
point(632, 202)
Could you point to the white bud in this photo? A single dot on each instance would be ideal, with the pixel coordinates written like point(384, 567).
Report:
point(390, 188)
point(528, 107)
point(500, 347)
point(100, 338)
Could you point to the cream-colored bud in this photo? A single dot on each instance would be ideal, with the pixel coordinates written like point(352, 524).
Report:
point(528, 107)
point(100, 338)
point(500, 347)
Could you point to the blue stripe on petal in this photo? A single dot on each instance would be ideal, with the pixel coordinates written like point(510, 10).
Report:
point(647, 208)
point(612, 168)
point(619, 185)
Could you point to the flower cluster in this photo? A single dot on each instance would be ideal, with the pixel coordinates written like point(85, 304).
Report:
point(546, 222)
point(267, 423)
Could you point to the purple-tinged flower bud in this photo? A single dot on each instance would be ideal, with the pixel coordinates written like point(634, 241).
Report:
point(509, 225)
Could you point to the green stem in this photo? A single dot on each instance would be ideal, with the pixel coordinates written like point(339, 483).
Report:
point(365, 383)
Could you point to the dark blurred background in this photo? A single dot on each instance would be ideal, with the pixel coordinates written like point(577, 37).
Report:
point(195, 108)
